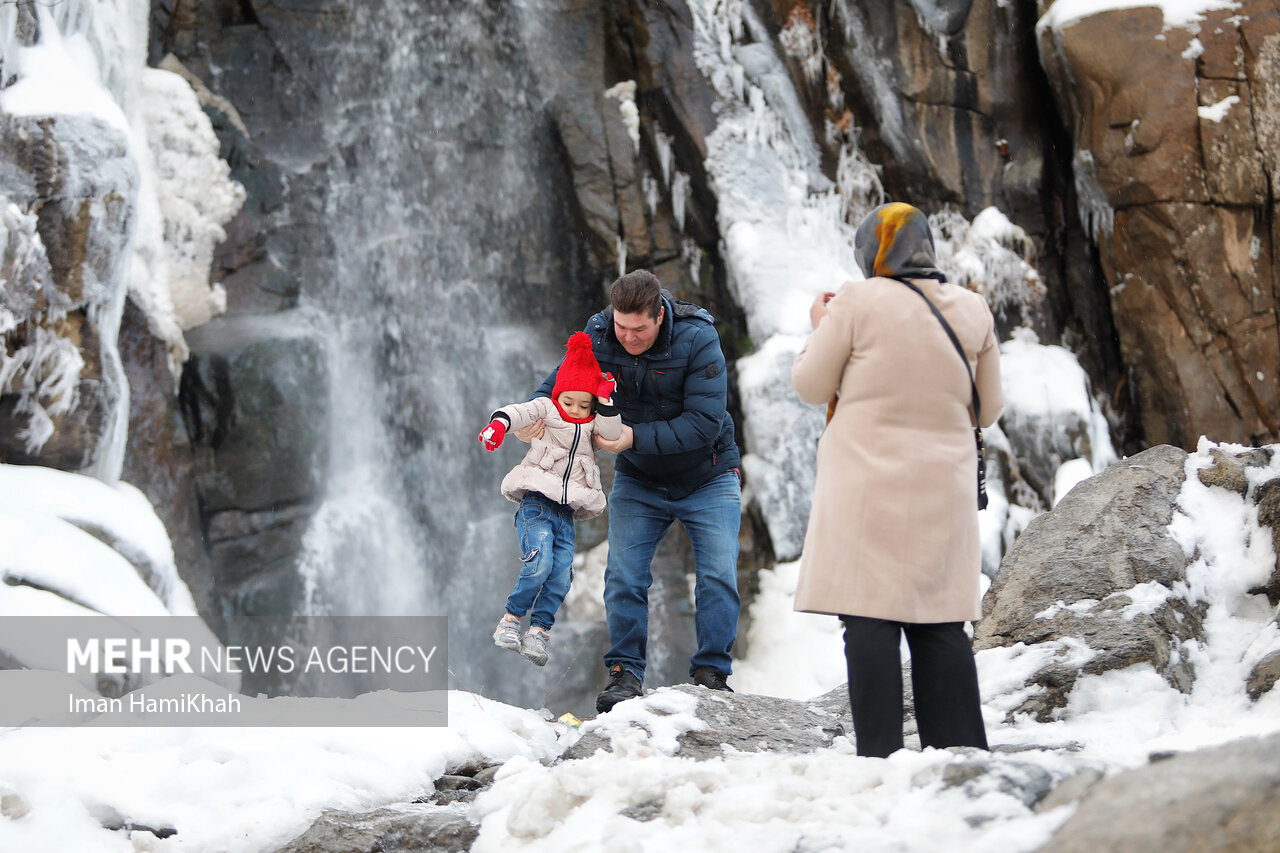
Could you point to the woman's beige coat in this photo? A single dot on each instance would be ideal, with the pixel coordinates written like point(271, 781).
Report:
point(893, 531)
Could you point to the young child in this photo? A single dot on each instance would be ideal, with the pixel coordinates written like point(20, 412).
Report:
point(557, 482)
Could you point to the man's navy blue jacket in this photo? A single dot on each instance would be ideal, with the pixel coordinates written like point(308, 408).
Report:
point(673, 397)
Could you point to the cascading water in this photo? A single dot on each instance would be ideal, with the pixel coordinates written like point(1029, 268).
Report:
point(445, 292)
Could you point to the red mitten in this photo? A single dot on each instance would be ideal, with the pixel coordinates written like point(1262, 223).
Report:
point(605, 389)
point(492, 435)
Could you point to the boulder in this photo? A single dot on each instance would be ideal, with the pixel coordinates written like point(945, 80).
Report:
point(1224, 798)
point(1076, 575)
point(1267, 497)
point(1232, 471)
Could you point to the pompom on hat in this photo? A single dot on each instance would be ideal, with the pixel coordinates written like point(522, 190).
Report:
point(579, 371)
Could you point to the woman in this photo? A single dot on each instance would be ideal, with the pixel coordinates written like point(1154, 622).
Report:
point(892, 545)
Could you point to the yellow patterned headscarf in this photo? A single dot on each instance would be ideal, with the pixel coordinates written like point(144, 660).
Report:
point(894, 241)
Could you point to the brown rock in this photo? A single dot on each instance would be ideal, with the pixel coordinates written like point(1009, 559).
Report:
point(1172, 157)
point(1226, 472)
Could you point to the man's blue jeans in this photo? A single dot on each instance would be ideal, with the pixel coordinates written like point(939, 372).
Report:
point(639, 516)
point(545, 530)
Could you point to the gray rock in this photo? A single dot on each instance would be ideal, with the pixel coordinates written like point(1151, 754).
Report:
point(1070, 791)
point(643, 812)
point(1264, 676)
point(1067, 577)
point(978, 772)
point(1228, 470)
point(1267, 497)
point(254, 402)
point(1043, 441)
point(396, 829)
point(742, 722)
point(1226, 798)
point(256, 411)
point(158, 457)
point(13, 806)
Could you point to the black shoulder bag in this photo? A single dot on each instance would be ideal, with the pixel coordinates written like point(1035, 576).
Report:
point(977, 404)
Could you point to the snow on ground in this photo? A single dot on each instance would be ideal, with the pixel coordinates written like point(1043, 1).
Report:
point(243, 790)
point(118, 513)
point(234, 789)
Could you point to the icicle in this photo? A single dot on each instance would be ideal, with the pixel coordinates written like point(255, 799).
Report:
point(800, 40)
point(1096, 213)
point(625, 94)
point(679, 195)
point(663, 143)
point(622, 255)
point(858, 183)
point(691, 253)
point(652, 195)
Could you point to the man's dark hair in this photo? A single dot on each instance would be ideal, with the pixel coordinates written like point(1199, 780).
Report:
point(637, 292)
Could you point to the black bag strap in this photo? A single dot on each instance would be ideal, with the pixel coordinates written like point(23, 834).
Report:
point(973, 385)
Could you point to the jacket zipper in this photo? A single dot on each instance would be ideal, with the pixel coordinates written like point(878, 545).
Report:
point(568, 468)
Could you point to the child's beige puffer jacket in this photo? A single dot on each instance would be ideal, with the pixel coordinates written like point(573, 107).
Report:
point(561, 464)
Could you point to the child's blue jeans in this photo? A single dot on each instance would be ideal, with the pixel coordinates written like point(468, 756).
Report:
point(545, 531)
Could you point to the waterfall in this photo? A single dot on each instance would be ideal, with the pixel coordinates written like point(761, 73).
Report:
point(443, 297)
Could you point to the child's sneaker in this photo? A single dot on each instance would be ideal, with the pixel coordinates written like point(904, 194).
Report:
point(507, 634)
point(534, 645)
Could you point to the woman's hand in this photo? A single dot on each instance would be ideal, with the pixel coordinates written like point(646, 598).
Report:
point(818, 309)
point(619, 444)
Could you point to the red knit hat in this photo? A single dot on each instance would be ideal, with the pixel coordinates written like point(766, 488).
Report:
point(579, 371)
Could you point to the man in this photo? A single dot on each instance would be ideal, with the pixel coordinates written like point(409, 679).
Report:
point(677, 459)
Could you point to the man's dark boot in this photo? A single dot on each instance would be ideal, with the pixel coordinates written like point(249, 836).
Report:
point(622, 685)
point(710, 678)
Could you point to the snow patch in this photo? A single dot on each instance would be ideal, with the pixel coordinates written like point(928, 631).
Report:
point(1217, 112)
point(1183, 14)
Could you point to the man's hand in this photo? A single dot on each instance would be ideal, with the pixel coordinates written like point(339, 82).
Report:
point(619, 444)
point(532, 431)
